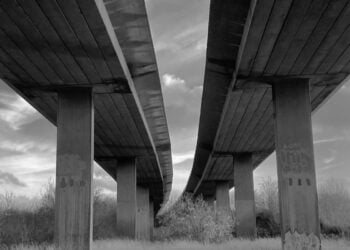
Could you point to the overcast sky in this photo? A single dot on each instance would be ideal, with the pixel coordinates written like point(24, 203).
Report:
point(179, 29)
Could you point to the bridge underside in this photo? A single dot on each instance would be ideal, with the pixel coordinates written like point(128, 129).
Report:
point(256, 51)
point(98, 57)
point(251, 45)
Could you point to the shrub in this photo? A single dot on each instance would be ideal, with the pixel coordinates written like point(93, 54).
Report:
point(36, 226)
point(105, 212)
point(194, 219)
point(334, 204)
point(267, 198)
point(266, 226)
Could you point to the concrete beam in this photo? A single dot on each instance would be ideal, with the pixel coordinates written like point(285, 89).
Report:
point(223, 198)
point(143, 214)
point(126, 198)
point(244, 196)
point(119, 86)
point(300, 225)
point(75, 145)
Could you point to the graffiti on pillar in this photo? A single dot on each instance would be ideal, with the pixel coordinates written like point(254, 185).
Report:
point(63, 183)
point(71, 171)
point(71, 181)
point(296, 241)
point(294, 159)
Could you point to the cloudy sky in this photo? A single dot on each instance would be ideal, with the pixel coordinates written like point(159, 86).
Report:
point(179, 29)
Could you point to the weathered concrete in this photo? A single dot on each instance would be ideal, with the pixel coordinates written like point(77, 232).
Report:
point(143, 214)
point(244, 196)
point(223, 198)
point(126, 198)
point(210, 199)
point(151, 218)
point(295, 164)
point(75, 146)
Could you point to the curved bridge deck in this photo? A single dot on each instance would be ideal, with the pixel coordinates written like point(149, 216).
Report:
point(49, 47)
point(252, 44)
point(269, 65)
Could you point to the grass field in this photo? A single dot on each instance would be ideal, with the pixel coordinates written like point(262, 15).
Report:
point(261, 244)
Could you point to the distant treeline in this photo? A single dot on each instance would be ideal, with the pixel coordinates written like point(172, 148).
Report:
point(186, 219)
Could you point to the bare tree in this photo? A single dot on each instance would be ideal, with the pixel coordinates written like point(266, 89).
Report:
point(267, 197)
point(334, 203)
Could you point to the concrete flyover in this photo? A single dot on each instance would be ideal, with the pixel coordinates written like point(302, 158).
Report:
point(269, 65)
point(89, 67)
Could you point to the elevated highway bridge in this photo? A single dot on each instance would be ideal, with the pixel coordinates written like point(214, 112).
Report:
point(89, 67)
point(270, 64)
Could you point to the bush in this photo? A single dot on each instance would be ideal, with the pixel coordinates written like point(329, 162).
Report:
point(186, 219)
point(105, 212)
point(266, 226)
point(267, 198)
point(334, 204)
point(194, 219)
point(36, 226)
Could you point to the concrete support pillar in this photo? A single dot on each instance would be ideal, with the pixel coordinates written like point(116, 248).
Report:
point(75, 145)
point(223, 198)
point(151, 218)
point(126, 198)
point(143, 212)
point(300, 225)
point(244, 196)
point(210, 199)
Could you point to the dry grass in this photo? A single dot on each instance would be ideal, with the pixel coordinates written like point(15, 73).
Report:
point(261, 244)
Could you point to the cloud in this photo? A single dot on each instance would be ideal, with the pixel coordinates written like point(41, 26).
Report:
point(44, 172)
point(179, 158)
point(182, 103)
point(328, 140)
point(327, 167)
point(10, 179)
point(26, 147)
point(173, 81)
point(181, 173)
point(15, 111)
point(179, 94)
point(106, 183)
point(109, 185)
point(328, 160)
point(189, 42)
